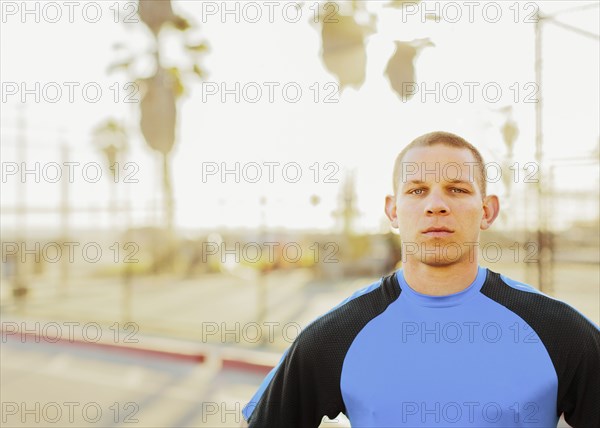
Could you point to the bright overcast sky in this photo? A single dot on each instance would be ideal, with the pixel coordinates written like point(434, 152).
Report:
point(362, 132)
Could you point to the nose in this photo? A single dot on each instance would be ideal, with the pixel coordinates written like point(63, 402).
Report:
point(436, 204)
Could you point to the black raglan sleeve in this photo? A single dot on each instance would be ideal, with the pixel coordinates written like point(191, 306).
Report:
point(580, 400)
point(572, 342)
point(307, 383)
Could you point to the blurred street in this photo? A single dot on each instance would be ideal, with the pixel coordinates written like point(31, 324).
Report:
point(207, 309)
point(108, 388)
point(215, 308)
point(179, 374)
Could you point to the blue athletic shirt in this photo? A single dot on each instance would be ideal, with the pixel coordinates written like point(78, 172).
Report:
point(496, 354)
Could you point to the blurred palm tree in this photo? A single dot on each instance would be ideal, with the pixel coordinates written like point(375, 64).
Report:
point(343, 44)
point(161, 90)
point(344, 53)
point(400, 69)
point(110, 138)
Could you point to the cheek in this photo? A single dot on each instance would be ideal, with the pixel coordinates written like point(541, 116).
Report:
point(407, 216)
point(408, 223)
point(473, 220)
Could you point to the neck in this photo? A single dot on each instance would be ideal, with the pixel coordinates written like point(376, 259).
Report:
point(439, 280)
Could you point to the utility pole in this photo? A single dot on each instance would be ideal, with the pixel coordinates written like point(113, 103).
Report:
point(541, 227)
point(544, 265)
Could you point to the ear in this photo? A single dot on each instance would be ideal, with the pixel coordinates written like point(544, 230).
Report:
point(491, 209)
point(390, 210)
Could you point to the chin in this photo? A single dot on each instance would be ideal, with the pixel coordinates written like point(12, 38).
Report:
point(437, 260)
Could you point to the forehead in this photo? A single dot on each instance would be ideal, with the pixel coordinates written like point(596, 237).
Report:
point(438, 162)
point(439, 153)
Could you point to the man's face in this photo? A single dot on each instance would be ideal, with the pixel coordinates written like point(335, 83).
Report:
point(439, 209)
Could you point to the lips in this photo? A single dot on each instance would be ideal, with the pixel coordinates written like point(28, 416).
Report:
point(438, 231)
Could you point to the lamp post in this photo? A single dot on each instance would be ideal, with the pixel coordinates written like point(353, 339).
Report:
point(20, 286)
point(541, 229)
point(262, 279)
point(544, 265)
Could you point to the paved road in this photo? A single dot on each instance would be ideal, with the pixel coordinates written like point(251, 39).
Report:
point(69, 384)
point(46, 384)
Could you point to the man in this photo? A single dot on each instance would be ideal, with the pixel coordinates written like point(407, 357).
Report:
point(442, 341)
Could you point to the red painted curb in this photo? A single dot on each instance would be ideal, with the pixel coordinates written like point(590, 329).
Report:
point(38, 338)
point(246, 366)
point(197, 358)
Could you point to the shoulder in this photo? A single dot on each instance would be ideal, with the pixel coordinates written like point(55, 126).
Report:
point(553, 318)
point(343, 322)
point(571, 340)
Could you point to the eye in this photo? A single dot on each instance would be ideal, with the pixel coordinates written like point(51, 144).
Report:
point(416, 191)
point(458, 190)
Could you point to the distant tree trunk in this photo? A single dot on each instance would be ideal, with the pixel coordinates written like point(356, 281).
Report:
point(158, 107)
point(158, 120)
point(167, 192)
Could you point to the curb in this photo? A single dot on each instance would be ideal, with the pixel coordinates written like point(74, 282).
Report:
point(176, 350)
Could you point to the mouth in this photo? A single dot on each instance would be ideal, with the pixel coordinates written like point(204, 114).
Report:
point(438, 232)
